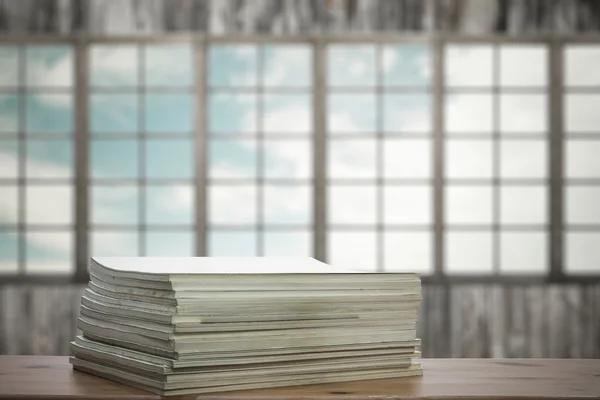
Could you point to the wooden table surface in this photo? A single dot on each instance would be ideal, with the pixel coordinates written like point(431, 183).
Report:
point(38, 377)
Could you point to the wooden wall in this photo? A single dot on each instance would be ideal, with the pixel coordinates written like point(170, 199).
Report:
point(537, 321)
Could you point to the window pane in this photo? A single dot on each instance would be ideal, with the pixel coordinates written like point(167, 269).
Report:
point(115, 205)
point(232, 159)
point(290, 159)
point(9, 204)
point(9, 249)
point(49, 204)
point(232, 243)
point(9, 159)
point(523, 159)
point(169, 244)
point(582, 159)
point(582, 252)
point(581, 113)
point(169, 159)
point(581, 63)
point(9, 59)
point(353, 250)
point(351, 113)
point(234, 205)
point(523, 205)
point(469, 113)
point(468, 65)
point(352, 204)
point(408, 252)
point(232, 65)
point(408, 205)
point(9, 113)
point(523, 113)
point(468, 252)
point(114, 113)
point(468, 205)
point(351, 65)
point(170, 204)
point(285, 204)
point(406, 65)
point(523, 65)
point(168, 65)
point(287, 113)
point(287, 244)
point(49, 159)
point(168, 112)
point(49, 113)
point(523, 252)
point(232, 113)
point(406, 113)
point(287, 65)
point(114, 244)
point(49, 253)
point(468, 159)
point(407, 158)
point(49, 66)
point(114, 159)
point(114, 65)
point(583, 205)
point(352, 158)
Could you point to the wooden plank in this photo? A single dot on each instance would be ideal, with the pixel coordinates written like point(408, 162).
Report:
point(558, 346)
point(537, 322)
point(495, 306)
point(587, 317)
point(596, 329)
point(474, 340)
point(516, 345)
point(574, 322)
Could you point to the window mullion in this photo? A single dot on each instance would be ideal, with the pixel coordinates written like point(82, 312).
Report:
point(319, 152)
point(200, 132)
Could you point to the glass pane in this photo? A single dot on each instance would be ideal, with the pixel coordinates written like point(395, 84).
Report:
point(234, 205)
point(353, 250)
point(581, 63)
point(232, 159)
point(468, 159)
point(9, 204)
point(406, 65)
point(407, 158)
point(170, 204)
point(581, 113)
point(287, 65)
point(9, 250)
point(168, 65)
point(169, 159)
point(582, 159)
point(523, 159)
point(583, 205)
point(469, 113)
point(352, 158)
point(114, 113)
point(523, 65)
point(523, 252)
point(351, 113)
point(468, 252)
point(232, 65)
point(112, 65)
point(582, 252)
point(9, 159)
point(406, 113)
point(408, 252)
point(351, 65)
point(114, 244)
point(49, 159)
point(232, 113)
point(49, 204)
point(352, 205)
point(468, 205)
point(287, 113)
point(49, 253)
point(49, 66)
point(114, 159)
point(285, 204)
point(169, 244)
point(408, 205)
point(469, 66)
point(291, 159)
point(49, 113)
point(115, 205)
point(9, 113)
point(232, 243)
point(287, 244)
point(523, 205)
point(523, 113)
point(168, 112)
point(9, 59)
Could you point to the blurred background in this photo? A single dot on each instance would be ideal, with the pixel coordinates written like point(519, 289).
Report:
point(458, 139)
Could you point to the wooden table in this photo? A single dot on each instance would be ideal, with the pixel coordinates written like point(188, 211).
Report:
point(33, 377)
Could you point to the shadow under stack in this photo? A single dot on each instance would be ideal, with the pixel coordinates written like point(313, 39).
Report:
point(197, 325)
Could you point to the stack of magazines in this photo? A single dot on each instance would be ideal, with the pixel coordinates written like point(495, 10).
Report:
point(177, 326)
